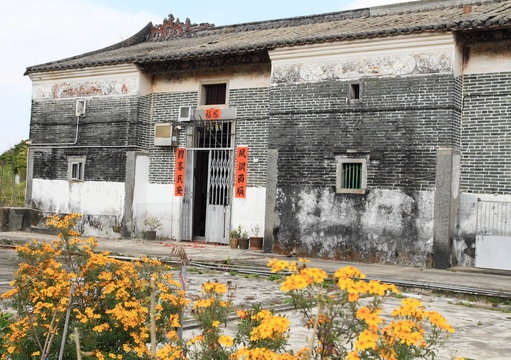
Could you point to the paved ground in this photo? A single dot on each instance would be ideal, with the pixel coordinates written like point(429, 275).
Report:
point(481, 333)
point(493, 283)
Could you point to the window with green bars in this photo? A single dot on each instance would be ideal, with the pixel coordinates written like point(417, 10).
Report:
point(351, 176)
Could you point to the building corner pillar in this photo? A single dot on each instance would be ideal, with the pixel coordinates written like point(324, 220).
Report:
point(448, 166)
point(270, 215)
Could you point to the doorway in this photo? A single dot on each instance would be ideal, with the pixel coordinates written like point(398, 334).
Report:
point(208, 184)
point(200, 191)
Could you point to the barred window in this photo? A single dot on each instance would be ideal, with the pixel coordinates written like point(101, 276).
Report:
point(351, 176)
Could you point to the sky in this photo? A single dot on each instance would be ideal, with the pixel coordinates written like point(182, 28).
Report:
point(37, 31)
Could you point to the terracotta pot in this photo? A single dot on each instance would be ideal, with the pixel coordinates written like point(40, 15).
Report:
point(243, 243)
point(150, 235)
point(233, 243)
point(256, 243)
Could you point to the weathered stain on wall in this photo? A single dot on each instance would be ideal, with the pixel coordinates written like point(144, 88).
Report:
point(385, 226)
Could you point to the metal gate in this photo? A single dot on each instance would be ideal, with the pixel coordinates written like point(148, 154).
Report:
point(215, 138)
point(218, 210)
point(493, 235)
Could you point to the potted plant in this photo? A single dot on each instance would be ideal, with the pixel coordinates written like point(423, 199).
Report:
point(256, 241)
point(234, 237)
point(243, 241)
point(151, 223)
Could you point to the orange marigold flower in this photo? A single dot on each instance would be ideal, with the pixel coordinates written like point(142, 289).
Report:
point(225, 340)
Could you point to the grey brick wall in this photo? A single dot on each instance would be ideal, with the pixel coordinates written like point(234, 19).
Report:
point(486, 134)
point(250, 128)
point(165, 108)
point(100, 165)
point(109, 121)
point(398, 122)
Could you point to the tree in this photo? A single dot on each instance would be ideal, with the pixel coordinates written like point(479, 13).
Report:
point(16, 158)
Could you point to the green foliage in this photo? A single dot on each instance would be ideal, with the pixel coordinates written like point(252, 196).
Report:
point(5, 322)
point(16, 158)
point(236, 232)
point(13, 162)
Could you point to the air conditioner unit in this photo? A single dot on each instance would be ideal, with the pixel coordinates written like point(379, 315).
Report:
point(80, 107)
point(165, 135)
point(185, 113)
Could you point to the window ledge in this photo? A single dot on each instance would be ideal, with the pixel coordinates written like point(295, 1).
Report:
point(351, 191)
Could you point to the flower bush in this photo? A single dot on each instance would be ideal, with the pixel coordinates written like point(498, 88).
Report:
point(132, 310)
point(108, 300)
point(345, 327)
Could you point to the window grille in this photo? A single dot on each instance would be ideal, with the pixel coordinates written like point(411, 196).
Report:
point(352, 175)
point(213, 135)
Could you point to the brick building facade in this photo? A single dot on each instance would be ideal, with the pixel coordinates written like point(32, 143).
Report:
point(374, 135)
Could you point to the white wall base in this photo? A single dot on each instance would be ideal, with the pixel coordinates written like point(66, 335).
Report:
point(100, 201)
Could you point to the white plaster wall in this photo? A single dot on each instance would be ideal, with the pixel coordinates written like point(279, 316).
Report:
point(159, 202)
point(489, 58)
point(117, 80)
point(464, 241)
point(141, 179)
point(390, 56)
point(249, 212)
point(191, 82)
point(103, 201)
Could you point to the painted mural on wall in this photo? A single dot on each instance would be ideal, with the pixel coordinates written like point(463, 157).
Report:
point(70, 89)
point(388, 65)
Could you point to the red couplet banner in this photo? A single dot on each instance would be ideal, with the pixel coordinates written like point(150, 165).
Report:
point(240, 182)
point(179, 172)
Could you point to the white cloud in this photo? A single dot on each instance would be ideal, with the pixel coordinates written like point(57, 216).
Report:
point(35, 31)
point(357, 4)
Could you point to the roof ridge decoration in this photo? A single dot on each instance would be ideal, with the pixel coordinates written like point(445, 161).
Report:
point(171, 28)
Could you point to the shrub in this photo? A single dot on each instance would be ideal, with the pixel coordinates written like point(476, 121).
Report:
point(108, 300)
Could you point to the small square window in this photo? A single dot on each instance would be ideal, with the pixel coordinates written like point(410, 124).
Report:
point(351, 176)
point(214, 94)
point(76, 168)
point(354, 91)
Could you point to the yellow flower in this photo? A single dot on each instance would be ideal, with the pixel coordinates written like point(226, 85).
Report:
point(225, 340)
point(195, 339)
point(353, 355)
point(294, 282)
point(215, 323)
point(277, 265)
point(366, 340)
point(213, 287)
point(203, 303)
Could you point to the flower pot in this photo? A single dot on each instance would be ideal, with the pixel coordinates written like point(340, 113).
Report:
point(150, 235)
point(243, 243)
point(256, 243)
point(233, 243)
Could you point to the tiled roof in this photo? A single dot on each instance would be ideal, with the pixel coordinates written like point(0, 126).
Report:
point(415, 17)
